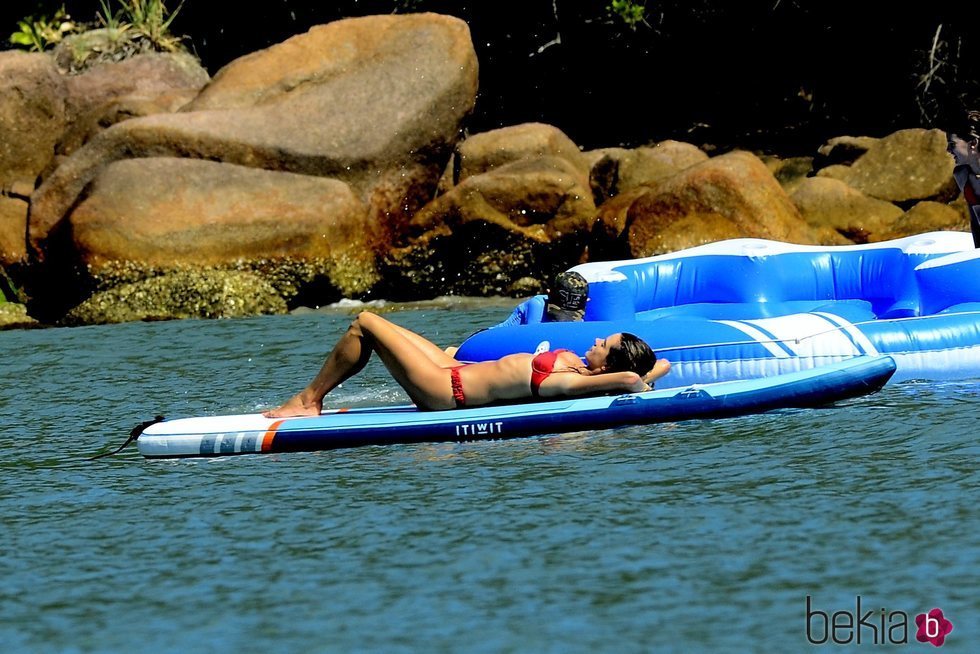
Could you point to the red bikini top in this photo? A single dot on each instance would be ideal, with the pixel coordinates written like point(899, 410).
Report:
point(542, 366)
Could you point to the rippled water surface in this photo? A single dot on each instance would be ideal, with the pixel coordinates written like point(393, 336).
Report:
point(695, 536)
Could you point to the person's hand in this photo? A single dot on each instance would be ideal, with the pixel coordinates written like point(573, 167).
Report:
point(639, 386)
point(660, 368)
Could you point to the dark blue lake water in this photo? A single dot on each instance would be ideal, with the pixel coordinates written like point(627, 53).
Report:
point(702, 536)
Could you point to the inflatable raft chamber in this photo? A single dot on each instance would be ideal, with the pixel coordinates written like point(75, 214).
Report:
point(751, 307)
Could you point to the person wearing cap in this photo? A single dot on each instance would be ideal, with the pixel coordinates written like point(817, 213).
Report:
point(565, 302)
point(966, 169)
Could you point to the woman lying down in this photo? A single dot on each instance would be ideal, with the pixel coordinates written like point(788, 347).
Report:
point(435, 381)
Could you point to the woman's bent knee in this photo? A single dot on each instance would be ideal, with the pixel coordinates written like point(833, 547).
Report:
point(362, 322)
point(367, 318)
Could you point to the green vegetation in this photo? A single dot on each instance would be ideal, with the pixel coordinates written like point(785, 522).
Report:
point(133, 26)
point(150, 20)
point(8, 291)
point(39, 33)
point(111, 20)
point(631, 13)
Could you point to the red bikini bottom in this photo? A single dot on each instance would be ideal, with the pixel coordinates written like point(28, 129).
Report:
point(457, 384)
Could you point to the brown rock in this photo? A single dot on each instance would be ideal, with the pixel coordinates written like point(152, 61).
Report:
point(165, 78)
point(483, 152)
point(32, 115)
point(142, 85)
point(540, 197)
point(497, 227)
point(310, 105)
point(963, 209)
point(652, 236)
point(791, 172)
point(909, 165)
point(836, 171)
point(167, 213)
point(88, 125)
point(926, 217)
point(831, 204)
point(13, 229)
point(728, 196)
point(842, 150)
point(609, 237)
point(617, 170)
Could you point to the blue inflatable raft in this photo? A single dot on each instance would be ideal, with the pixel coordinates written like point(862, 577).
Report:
point(244, 434)
point(747, 308)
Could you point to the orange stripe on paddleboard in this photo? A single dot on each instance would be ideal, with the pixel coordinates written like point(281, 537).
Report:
point(270, 436)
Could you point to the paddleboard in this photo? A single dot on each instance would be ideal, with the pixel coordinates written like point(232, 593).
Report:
point(253, 433)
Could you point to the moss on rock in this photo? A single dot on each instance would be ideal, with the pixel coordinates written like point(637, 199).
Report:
point(342, 276)
point(14, 316)
point(186, 294)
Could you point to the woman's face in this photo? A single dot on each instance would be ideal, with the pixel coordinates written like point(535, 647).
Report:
point(596, 356)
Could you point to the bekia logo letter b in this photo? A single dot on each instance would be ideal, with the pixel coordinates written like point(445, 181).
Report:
point(933, 627)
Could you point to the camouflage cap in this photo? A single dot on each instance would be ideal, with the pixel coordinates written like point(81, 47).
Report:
point(567, 297)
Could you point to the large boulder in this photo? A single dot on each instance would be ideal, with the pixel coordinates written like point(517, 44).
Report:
point(165, 213)
point(171, 79)
point(728, 196)
point(789, 172)
point(376, 102)
point(109, 92)
point(32, 116)
point(925, 217)
point(617, 170)
point(904, 167)
point(523, 219)
point(831, 205)
point(609, 236)
point(485, 151)
point(842, 151)
point(13, 224)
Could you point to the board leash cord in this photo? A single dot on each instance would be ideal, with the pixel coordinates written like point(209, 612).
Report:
point(133, 435)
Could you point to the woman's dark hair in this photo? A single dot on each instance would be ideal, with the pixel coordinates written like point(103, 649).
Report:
point(633, 354)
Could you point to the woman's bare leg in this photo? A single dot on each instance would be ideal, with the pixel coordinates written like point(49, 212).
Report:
point(432, 351)
point(403, 353)
point(348, 357)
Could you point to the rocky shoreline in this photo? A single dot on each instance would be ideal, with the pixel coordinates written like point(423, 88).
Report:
point(336, 164)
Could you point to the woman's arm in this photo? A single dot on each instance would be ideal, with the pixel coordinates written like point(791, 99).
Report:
point(660, 368)
point(568, 384)
point(610, 382)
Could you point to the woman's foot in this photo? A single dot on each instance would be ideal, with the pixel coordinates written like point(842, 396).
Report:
point(299, 405)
